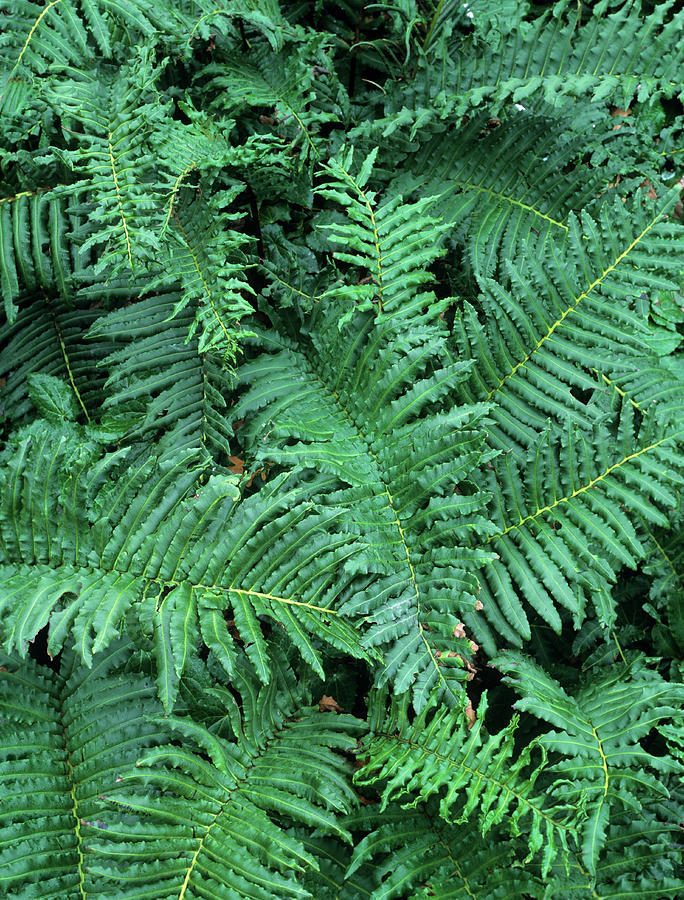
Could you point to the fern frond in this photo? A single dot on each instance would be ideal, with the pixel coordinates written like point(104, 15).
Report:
point(166, 541)
point(40, 36)
point(49, 338)
point(160, 387)
point(564, 531)
point(616, 54)
point(501, 187)
point(111, 119)
point(34, 255)
point(204, 807)
point(330, 399)
point(212, 813)
point(208, 260)
point(68, 33)
point(418, 852)
point(600, 758)
point(470, 771)
point(65, 740)
point(392, 241)
point(563, 319)
point(207, 17)
point(641, 858)
point(287, 84)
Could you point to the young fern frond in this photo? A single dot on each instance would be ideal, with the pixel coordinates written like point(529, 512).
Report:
point(288, 84)
point(392, 242)
point(111, 120)
point(207, 257)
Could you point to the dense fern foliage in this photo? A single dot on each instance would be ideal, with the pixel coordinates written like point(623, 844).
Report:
point(342, 413)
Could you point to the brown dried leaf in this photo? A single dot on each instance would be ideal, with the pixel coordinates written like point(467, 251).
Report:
point(470, 713)
point(329, 704)
point(651, 190)
point(237, 465)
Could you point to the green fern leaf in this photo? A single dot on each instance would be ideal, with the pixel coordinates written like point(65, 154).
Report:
point(562, 535)
point(216, 828)
point(329, 400)
point(286, 83)
point(543, 341)
point(435, 755)
point(640, 859)
point(33, 240)
point(394, 242)
point(64, 742)
point(418, 852)
point(48, 340)
point(498, 187)
point(86, 537)
point(600, 757)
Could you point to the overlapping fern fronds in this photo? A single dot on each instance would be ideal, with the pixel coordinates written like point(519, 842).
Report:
point(341, 475)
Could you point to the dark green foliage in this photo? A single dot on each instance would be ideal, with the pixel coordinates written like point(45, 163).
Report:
point(342, 412)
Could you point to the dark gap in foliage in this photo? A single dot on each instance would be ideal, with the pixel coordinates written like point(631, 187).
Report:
point(38, 650)
point(583, 395)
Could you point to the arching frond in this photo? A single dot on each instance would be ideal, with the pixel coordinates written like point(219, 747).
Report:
point(212, 811)
point(640, 858)
point(160, 386)
point(616, 54)
point(563, 532)
point(88, 538)
point(291, 84)
point(417, 851)
point(500, 188)
point(568, 317)
point(65, 740)
point(34, 242)
point(110, 797)
point(49, 338)
point(471, 772)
